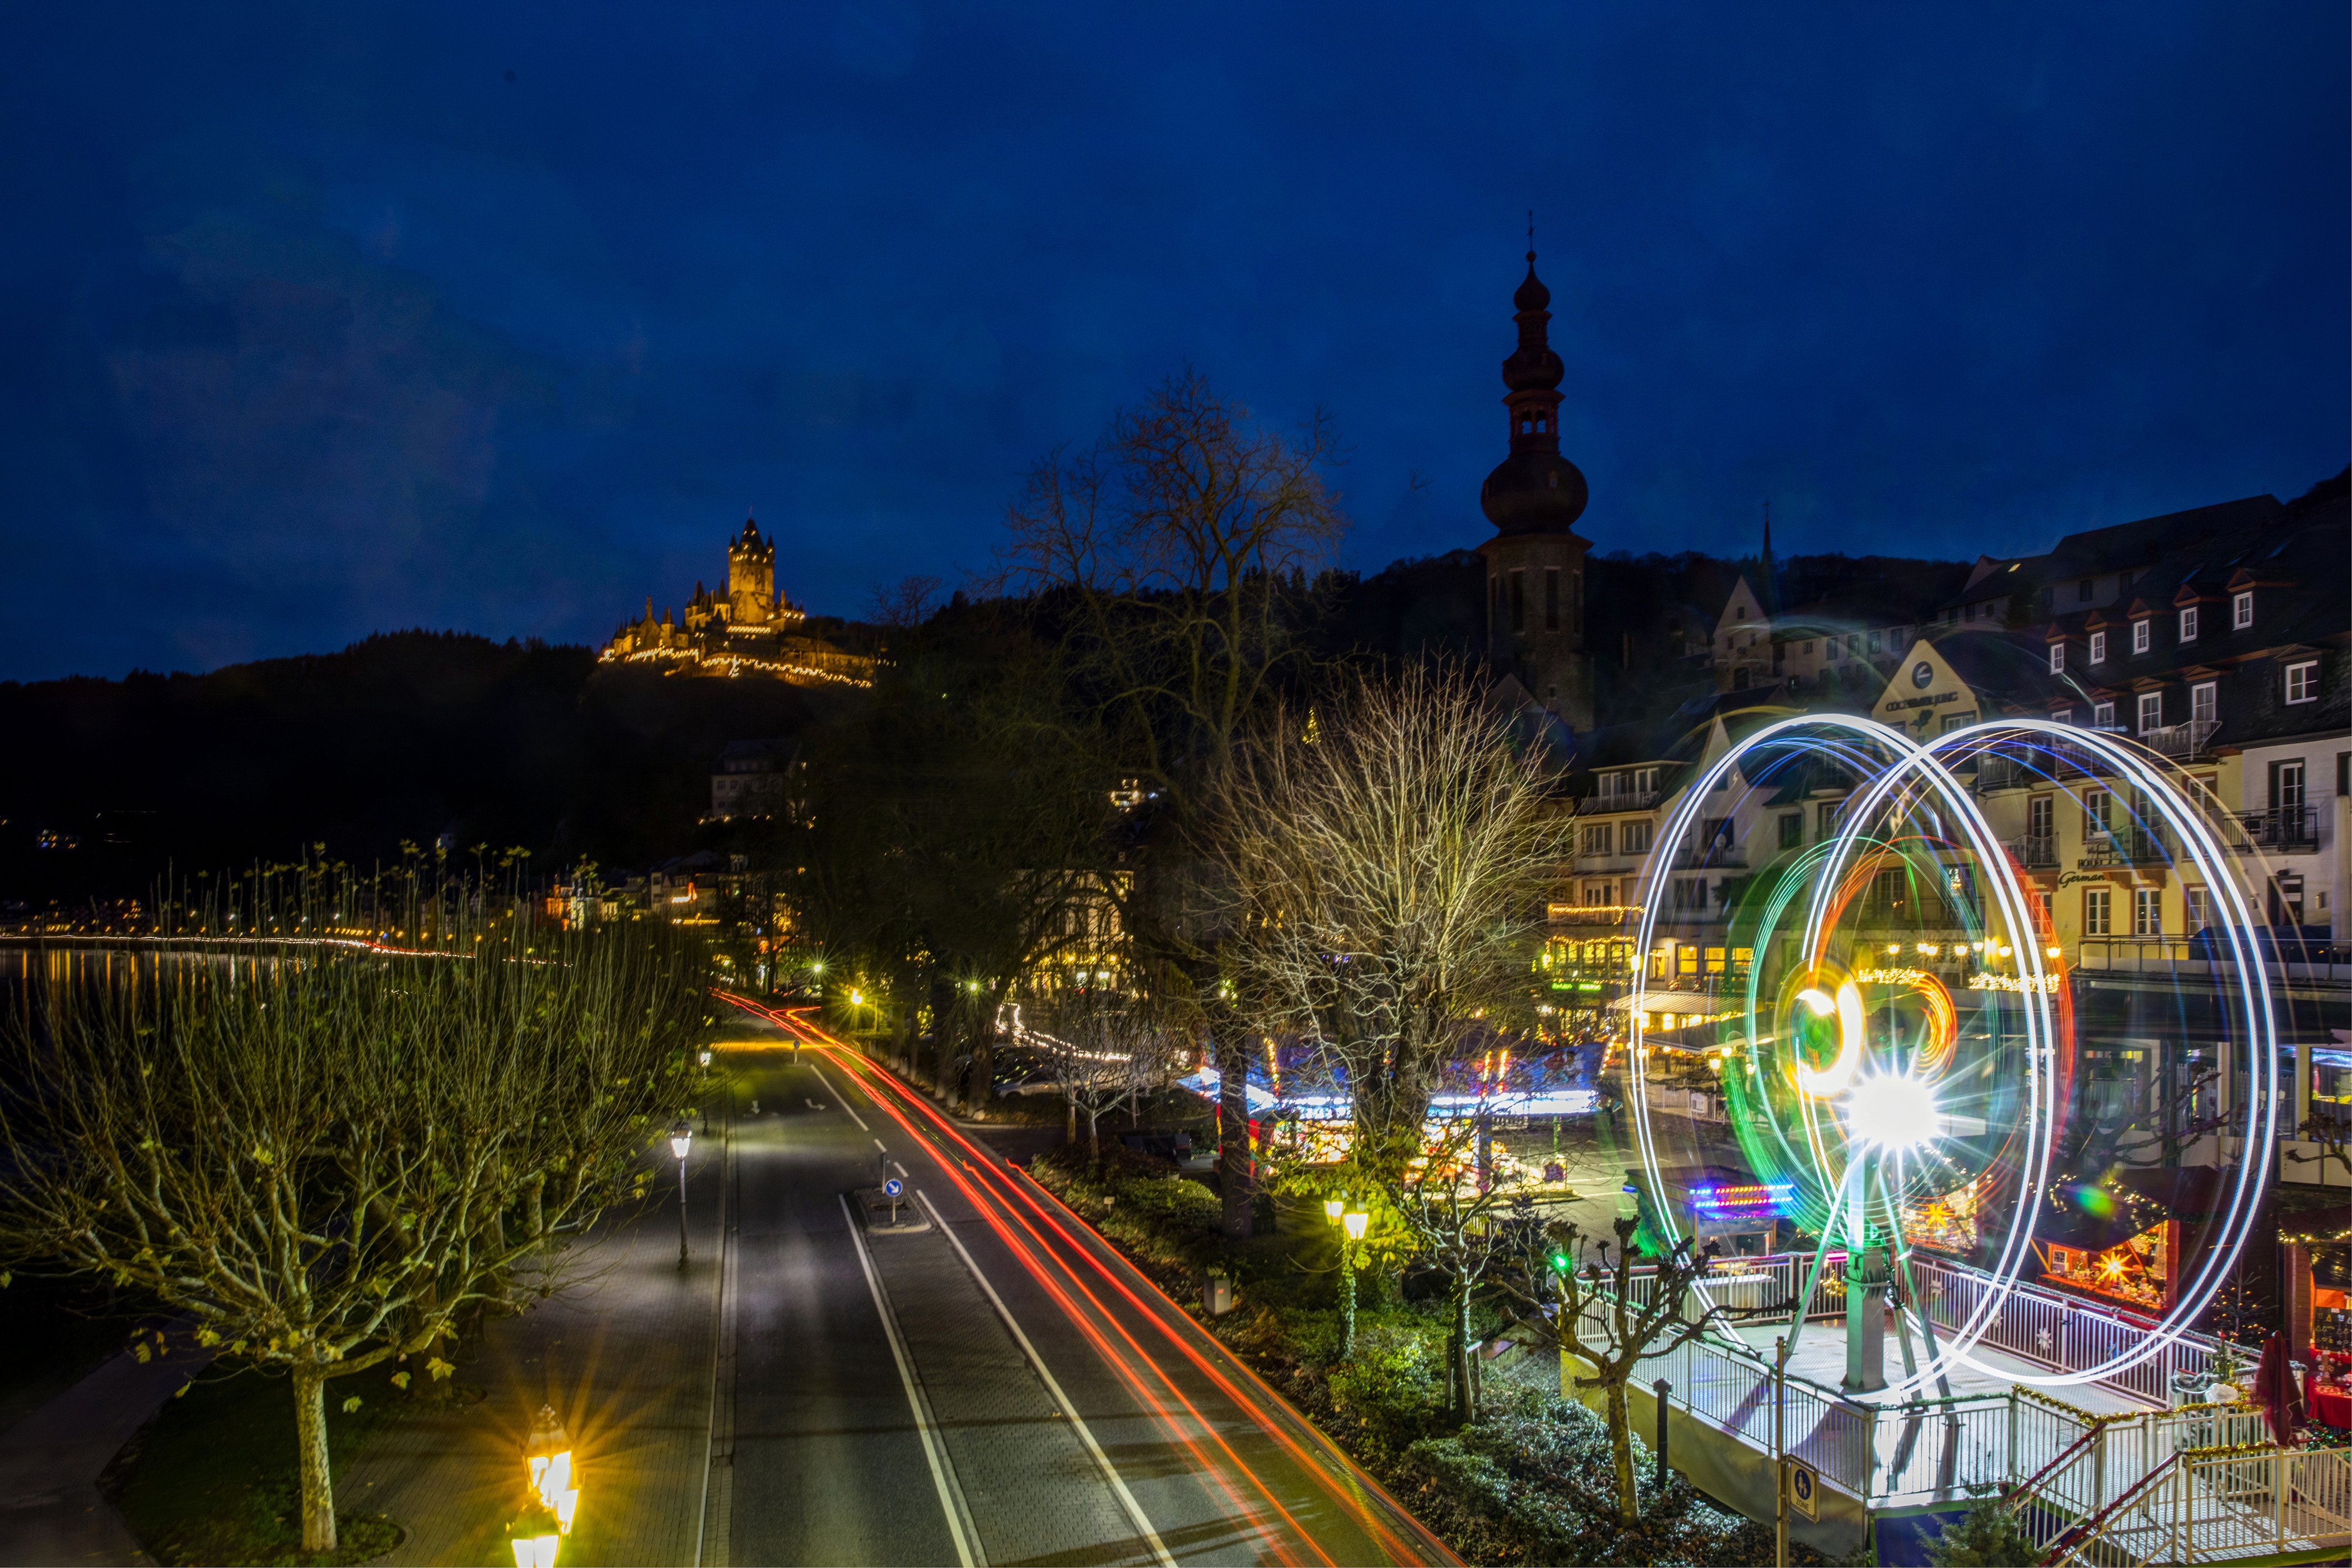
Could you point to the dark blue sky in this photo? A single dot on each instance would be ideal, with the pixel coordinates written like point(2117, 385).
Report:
point(314, 321)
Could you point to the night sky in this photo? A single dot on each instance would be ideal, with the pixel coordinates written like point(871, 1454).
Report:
point(321, 319)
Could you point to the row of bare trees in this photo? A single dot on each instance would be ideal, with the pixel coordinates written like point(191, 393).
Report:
point(323, 1159)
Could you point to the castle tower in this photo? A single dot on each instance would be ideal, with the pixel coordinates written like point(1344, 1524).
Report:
point(1534, 565)
point(750, 577)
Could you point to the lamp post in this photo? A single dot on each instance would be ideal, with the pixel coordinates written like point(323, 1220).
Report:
point(1352, 1224)
point(681, 1139)
point(705, 1060)
point(554, 1492)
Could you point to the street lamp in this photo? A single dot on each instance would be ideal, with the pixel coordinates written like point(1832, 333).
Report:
point(1352, 1224)
point(681, 1139)
point(555, 1485)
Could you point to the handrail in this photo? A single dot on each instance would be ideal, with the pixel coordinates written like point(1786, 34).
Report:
point(2022, 1493)
point(2082, 1534)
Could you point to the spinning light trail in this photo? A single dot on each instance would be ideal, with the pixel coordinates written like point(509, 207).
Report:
point(1863, 1083)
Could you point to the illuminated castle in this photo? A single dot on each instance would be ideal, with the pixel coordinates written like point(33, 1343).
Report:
point(750, 629)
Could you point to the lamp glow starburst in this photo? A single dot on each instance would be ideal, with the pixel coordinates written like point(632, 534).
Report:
point(1893, 1111)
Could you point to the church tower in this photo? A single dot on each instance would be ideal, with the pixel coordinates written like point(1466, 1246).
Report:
point(1534, 565)
point(750, 577)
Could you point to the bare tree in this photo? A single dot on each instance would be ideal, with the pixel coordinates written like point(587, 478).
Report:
point(904, 604)
point(1383, 880)
point(1177, 550)
point(1572, 1298)
point(325, 1163)
point(1104, 1050)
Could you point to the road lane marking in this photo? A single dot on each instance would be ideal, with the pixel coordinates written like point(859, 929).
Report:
point(840, 1099)
point(722, 1355)
point(1134, 1510)
point(950, 1503)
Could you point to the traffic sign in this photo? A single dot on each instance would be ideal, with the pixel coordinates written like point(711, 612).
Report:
point(893, 1188)
point(1805, 1488)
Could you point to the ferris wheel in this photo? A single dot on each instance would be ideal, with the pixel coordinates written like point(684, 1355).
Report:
point(1898, 1057)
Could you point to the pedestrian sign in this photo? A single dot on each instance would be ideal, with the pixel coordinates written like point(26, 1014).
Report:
point(893, 1188)
point(1805, 1488)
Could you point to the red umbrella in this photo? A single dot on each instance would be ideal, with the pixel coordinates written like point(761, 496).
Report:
point(2276, 1392)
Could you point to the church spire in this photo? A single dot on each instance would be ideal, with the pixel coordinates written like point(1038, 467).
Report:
point(1534, 489)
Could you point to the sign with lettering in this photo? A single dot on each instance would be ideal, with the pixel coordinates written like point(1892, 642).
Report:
point(1805, 1488)
point(1894, 703)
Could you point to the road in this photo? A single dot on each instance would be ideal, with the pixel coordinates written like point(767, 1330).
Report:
point(996, 1386)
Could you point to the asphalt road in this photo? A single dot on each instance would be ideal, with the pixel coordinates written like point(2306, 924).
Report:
point(994, 1387)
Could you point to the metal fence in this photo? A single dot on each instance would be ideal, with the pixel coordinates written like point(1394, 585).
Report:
point(2212, 1504)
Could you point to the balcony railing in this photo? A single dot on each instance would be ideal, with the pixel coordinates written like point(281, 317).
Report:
point(1639, 800)
point(2036, 851)
point(2124, 846)
point(2183, 741)
point(1717, 853)
point(2285, 829)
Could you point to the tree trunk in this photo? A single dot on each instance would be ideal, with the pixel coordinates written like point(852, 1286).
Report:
point(1070, 1133)
point(1620, 1440)
point(311, 1446)
point(1458, 1350)
point(1236, 1177)
point(979, 1086)
point(1094, 1141)
point(943, 1077)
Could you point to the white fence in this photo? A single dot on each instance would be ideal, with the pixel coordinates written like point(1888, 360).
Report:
point(2209, 1504)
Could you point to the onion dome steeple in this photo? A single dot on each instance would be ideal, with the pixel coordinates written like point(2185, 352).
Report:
point(1534, 489)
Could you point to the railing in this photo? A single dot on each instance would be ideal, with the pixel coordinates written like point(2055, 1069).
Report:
point(2285, 829)
point(2182, 740)
point(1639, 800)
point(2213, 1502)
point(1716, 854)
point(2124, 846)
point(2037, 851)
point(2314, 961)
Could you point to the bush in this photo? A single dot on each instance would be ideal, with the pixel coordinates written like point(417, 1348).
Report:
point(1987, 1536)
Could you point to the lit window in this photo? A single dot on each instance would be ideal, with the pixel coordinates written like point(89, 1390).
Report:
point(2241, 610)
point(2303, 681)
point(2148, 911)
point(2189, 623)
point(2057, 658)
point(2098, 648)
point(2143, 635)
point(2103, 715)
point(2151, 712)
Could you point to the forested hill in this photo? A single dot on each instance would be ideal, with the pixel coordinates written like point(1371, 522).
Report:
point(407, 735)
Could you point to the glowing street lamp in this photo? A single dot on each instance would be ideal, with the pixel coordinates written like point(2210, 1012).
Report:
point(1351, 1224)
point(555, 1485)
point(681, 1139)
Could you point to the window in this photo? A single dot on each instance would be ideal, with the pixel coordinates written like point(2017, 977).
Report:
point(1715, 961)
point(1873, 642)
point(2103, 715)
point(2151, 712)
point(1551, 598)
point(2123, 584)
point(1825, 817)
point(1687, 958)
point(2189, 623)
point(2286, 785)
point(2204, 704)
point(2096, 804)
point(1714, 833)
point(2143, 635)
point(1690, 893)
point(2303, 681)
point(2040, 816)
point(1809, 645)
point(1645, 780)
point(1636, 840)
point(2241, 610)
point(2098, 648)
point(1597, 838)
point(2197, 900)
point(2083, 592)
point(2057, 658)
point(2061, 715)
point(2148, 911)
point(1793, 829)
point(2096, 901)
point(1958, 720)
point(1518, 601)
point(1854, 646)
point(1599, 895)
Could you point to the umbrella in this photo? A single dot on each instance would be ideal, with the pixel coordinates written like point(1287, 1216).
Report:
point(2276, 1392)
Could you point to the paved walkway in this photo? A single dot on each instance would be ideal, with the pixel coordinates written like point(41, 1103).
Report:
point(625, 1356)
point(50, 1510)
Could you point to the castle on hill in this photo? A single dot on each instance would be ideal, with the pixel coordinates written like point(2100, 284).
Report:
point(752, 630)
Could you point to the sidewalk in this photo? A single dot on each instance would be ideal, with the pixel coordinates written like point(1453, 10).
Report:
point(624, 1354)
point(50, 1510)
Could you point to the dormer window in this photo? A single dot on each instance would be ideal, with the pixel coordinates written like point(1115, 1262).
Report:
point(2241, 610)
point(2098, 648)
point(2083, 591)
point(2189, 623)
point(2057, 658)
point(2143, 635)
